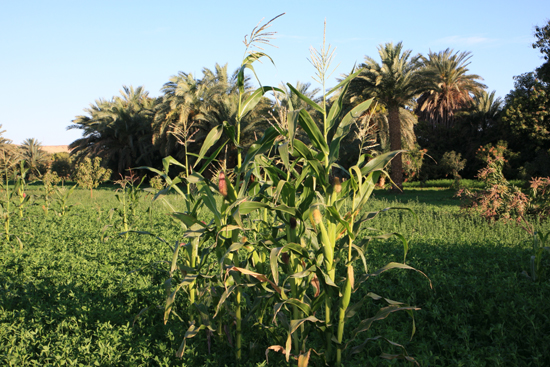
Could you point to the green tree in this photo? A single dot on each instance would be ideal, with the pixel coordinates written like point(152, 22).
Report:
point(527, 114)
point(62, 164)
point(394, 82)
point(183, 105)
point(90, 174)
point(543, 44)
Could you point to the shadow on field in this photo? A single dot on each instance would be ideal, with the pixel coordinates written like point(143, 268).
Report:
point(429, 196)
point(482, 310)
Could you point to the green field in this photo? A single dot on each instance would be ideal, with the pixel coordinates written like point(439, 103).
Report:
point(72, 295)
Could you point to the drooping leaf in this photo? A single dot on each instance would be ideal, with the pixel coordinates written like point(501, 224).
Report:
point(305, 99)
point(251, 102)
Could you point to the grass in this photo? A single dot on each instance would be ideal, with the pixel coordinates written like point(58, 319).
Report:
point(71, 296)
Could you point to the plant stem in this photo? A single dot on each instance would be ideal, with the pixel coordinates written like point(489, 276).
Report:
point(344, 301)
point(238, 341)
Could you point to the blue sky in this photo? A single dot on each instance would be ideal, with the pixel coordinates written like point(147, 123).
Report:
point(57, 57)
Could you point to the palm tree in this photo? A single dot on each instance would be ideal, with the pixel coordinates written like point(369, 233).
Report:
point(394, 83)
point(486, 109)
point(117, 130)
point(33, 154)
point(186, 103)
point(9, 154)
point(449, 87)
point(183, 104)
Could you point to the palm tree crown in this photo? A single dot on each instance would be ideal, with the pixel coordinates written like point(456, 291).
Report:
point(448, 87)
point(118, 130)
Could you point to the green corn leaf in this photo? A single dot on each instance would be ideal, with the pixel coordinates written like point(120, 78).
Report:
point(344, 127)
point(301, 150)
point(212, 157)
point(283, 152)
point(211, 139)
point(295, 324)
point(285, 209)
point(210, 202)
point(247, 207)
point(224, 296)
point(379, 162)
point(262, 278)
point(261, 146)
point(167, 161)
point(306, 99)
point(273, 256)
point(187, 219)
point(345, 81)
point(313, 132)
point(190, 333)
point(292, 121)
point(304, 307)
point(251, 102)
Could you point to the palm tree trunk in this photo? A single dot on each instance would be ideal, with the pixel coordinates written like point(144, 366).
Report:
point(394, 123)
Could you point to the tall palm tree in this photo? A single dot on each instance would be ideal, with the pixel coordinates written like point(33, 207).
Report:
point(449, 87)
point(117, 130)
point(394, 82)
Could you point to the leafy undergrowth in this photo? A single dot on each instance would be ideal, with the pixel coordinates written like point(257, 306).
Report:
point(71, 296)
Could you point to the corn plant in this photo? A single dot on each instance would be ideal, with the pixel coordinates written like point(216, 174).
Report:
point(540, 260)
point(317, 195)
point(50, 180)
point(128, 195)
point(7, 207)
point(19, 188)
point(289, 220)
point(62, 195)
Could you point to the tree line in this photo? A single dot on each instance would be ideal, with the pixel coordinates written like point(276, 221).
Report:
point(429, 105)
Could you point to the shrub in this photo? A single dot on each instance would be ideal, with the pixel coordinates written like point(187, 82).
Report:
point(62, 165)
point(502, 200)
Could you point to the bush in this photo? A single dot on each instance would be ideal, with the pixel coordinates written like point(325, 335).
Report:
point(62, 165)
point(502, 200)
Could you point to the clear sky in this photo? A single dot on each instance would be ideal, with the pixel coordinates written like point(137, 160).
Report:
point(57, 57)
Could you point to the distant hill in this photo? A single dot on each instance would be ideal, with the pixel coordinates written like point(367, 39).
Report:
point(56, 148)
point(52, 148)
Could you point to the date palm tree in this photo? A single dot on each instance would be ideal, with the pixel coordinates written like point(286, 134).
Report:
point(184, 103)
point(34, 156)
point(449, 87)
point(117, 130)
point(187, 102)
point(394, 82)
